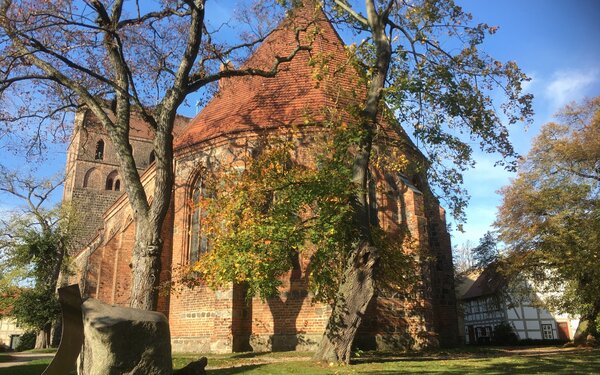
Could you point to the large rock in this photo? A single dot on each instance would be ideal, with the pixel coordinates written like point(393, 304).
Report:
point(121, 340)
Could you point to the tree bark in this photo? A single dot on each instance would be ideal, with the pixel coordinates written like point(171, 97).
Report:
point(355, 293)
point(358, 285)
point(42, 340)
point(587, 325)
point(145, 265)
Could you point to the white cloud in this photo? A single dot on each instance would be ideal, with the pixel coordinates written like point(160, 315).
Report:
point(528, 86)
point(568, 86)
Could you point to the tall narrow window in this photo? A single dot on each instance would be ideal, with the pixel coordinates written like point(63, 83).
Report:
point(112, 181)
point(91, 179)
point(99, 150)
point(199, 240)
point(392, 200)
point(151, 158)
point(373, 209)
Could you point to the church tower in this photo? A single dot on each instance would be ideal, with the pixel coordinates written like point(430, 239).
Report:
point(93, 182)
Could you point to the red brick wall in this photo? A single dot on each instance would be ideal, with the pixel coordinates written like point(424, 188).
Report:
point(108, 266)
point(246, 109)
point(221, 321)
point(291, 321)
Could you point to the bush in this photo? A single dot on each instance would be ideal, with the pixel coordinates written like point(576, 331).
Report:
point(27, 341)
point(504, 335)
point(539, 342)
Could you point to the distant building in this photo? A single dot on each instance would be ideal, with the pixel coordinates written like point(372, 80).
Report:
point(486, 304)
point(463, 283)
point(10, 333)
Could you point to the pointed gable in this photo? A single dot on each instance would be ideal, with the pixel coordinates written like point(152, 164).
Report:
point(256, 103)
point(489, 282)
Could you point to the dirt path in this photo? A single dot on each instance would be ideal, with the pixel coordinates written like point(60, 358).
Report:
point(22, 358)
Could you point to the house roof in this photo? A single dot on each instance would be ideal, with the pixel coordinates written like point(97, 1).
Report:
point(294, 95)
point(489, 282)
point(465, 281)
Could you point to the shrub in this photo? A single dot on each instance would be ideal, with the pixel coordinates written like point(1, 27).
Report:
point(504, 335)
point(540, 342)
point(27, 341)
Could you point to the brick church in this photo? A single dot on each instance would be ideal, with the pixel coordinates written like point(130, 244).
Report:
point(244, 111)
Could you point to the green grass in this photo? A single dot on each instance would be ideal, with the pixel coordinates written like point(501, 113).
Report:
point(5, 357)
point(31, 368)
point(488, 361)
point(235, 359)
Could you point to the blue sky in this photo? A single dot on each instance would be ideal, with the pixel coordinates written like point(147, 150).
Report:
point(556, 42)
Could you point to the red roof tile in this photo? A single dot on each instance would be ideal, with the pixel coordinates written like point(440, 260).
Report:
point(255, 103)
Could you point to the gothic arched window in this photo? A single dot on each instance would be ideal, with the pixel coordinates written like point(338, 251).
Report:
point(199, 240)
point(152, 157)
point(112, 181)
point(90, 178)
point(373, 207)
point(99, 150)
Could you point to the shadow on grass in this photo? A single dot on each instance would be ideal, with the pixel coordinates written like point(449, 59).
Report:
point(233, 370)
point(26, 369)
point(569, 363)
point(456, 354)
point(250, 355)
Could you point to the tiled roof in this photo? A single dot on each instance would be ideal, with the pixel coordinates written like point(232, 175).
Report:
point(254, 103)
point(489, 282)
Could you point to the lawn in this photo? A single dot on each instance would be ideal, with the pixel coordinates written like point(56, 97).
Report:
point(488, 361)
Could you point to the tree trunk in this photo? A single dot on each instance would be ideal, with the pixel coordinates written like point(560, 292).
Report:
point(146, 265)
point(355, 294)
point(587, 326)
point(358, 285)
point(42, 340)
point(56, 333)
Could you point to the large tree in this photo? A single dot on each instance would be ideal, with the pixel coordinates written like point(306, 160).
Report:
point(550, 215)
point(34, 244)
point(421, 65)
point(60, 55)
point(423, 61)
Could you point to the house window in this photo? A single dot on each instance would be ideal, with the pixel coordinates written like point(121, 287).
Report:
point(99, 150)
point(118, 185)
point(547, 333)
point(484, 331)
point(152, 157)
point(199, 240)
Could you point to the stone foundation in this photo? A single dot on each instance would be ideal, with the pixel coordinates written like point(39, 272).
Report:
point(203, 344)
point(283, 342)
